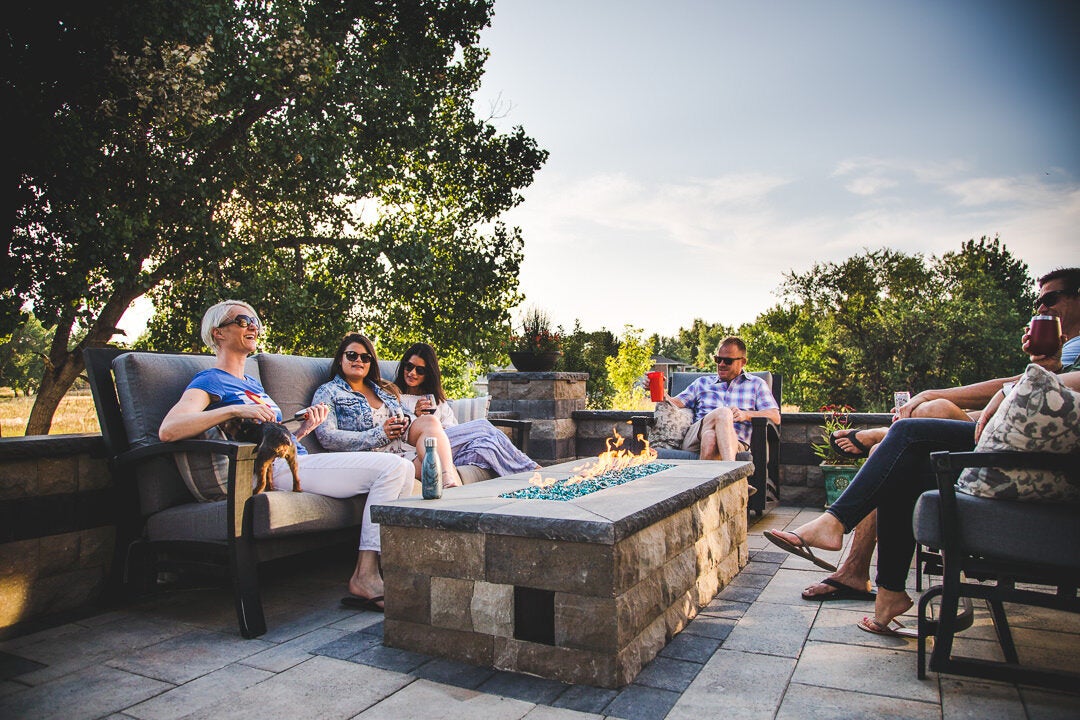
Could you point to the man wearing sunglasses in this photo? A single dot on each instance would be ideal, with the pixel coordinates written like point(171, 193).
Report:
point(1059, 295)
point(723, 405)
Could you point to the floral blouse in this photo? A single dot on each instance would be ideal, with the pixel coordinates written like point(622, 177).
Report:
point(350, 425)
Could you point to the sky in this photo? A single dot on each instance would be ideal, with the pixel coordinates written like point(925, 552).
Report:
point(700, 150)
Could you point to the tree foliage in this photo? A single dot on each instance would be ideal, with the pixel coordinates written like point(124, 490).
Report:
point(318, 159)
point(851, 333)
point(625, 370)
point(587, 351)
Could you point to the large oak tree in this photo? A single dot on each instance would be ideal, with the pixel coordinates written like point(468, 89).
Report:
point(320, 159)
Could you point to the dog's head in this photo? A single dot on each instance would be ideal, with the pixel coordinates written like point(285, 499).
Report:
point(242, 430)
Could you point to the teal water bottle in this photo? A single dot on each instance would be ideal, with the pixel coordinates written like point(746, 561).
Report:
point(431, 472)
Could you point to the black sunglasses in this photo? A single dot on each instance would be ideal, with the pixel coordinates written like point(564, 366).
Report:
point(1051, 298)
point(241, 320)
point(418, 369)
point(352, 355)
point(721, 360)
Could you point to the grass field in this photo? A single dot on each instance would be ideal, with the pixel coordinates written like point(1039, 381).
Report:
point(75, 414)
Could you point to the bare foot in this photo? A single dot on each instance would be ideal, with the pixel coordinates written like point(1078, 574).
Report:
point(863, 440)
point(823, 532)
point(890, 604)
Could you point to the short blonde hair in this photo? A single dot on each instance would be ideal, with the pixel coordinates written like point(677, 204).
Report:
point(215, 314)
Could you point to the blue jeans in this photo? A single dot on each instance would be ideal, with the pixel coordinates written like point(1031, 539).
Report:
point(891, 481)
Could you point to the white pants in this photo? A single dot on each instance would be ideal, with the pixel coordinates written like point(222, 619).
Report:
point(347, 474)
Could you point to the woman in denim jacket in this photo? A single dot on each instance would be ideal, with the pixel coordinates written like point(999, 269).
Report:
point(364, 412)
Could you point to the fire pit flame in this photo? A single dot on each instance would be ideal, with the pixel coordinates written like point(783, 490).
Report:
point(612, 460)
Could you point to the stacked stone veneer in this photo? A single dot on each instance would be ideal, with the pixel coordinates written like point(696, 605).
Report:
point(57, 526)
point(616, 573)
point(548, 399)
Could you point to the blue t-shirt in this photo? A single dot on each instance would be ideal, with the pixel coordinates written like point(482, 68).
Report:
point(224, 389)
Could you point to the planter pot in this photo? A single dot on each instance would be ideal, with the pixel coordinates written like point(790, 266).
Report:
point(534, 362)
point(837, 478)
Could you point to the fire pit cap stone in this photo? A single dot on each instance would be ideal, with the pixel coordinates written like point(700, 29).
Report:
point(603, 517)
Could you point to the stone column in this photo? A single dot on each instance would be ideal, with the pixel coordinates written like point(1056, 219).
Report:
point(547, 399)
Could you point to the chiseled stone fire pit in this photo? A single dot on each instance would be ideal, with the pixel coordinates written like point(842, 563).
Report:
point(585, 591)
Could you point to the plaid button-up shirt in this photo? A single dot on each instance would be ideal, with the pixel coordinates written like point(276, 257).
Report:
point(746, 392)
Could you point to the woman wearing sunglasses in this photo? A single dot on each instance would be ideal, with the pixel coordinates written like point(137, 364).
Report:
point(364, 412)
point(231, 329)
point(476, 442)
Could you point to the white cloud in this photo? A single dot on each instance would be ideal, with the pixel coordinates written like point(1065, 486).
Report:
point(610, 249)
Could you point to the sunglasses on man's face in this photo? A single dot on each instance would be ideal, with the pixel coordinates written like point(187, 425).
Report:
point(418, 369)
point(353, 356)
point(721, 360)
point(243, 321)
point(1051, 298)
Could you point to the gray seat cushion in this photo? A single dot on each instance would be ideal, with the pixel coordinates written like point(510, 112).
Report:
point(1048, 534)
point(276, 514)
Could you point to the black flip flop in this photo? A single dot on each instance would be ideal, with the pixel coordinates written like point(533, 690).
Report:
point(850, 435)
point(802, 550)
point(841, 592)
point(362, 603)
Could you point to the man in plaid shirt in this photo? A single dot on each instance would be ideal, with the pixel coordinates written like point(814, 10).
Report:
point(724, 404)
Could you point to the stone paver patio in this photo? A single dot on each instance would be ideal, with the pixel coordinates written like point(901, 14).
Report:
point(757, 651)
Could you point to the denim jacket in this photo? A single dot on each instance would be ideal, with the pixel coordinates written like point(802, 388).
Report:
point(350, 425)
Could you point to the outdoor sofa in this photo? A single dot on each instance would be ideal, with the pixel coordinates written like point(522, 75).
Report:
point(164, 526)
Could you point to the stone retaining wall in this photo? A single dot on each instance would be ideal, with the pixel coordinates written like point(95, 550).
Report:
point(57, 527)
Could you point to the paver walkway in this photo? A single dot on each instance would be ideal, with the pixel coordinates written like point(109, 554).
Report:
point(757, 651)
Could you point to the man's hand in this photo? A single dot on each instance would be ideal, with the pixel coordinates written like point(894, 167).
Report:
point(1051, 363)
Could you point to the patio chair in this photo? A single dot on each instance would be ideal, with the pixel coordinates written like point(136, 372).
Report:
point(764, 441)
point(1021, 552)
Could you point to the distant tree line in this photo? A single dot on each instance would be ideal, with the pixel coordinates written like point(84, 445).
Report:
point(853, 332)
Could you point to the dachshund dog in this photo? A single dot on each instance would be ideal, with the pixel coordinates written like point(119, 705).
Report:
point(273, 440)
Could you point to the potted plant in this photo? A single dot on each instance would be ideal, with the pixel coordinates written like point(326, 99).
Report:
point(836, 469)
point(536, 349)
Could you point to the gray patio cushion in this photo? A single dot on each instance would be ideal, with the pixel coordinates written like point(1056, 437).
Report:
point(147, 386)
point(681, 380)
point(275, 514)
point(1005, 529)
point(291, 380)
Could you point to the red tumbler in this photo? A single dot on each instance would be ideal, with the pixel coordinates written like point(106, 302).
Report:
point(656, 386)
point(1044, 335)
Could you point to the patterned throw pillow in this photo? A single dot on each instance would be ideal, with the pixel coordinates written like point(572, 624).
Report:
point(1040, 414)
point(670, 427)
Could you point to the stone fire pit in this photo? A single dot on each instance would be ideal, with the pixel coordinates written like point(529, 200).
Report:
point(585, 591)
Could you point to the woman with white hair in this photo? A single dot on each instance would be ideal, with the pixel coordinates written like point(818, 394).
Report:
point(231, 329)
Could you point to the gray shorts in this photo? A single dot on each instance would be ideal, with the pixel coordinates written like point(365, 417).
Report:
point(692, 440)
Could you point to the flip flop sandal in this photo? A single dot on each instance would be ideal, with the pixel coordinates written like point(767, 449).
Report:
point(802, 549)
point(362, 603)
point(850, 435)
point(840, 592)
point(872, 626)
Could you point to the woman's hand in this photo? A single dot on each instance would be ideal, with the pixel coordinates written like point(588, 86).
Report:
point(316, 414)
point(394, 428)
point(423, 404)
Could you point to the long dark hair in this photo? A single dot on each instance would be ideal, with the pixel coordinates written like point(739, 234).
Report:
point(373, 369)
point(432, 382)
